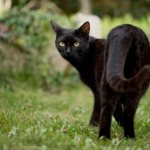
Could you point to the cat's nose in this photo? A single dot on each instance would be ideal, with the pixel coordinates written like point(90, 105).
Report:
point(68, 51)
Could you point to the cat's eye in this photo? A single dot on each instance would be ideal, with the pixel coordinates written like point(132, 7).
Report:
point(62, 44)
point(76, 44)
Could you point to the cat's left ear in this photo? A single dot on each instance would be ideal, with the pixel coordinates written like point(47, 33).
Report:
point(56, 27)
point(85, 28)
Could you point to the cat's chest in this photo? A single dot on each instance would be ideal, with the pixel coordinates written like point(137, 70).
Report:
point(88, 79)
point(91, 77)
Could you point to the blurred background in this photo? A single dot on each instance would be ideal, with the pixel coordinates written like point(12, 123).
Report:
point(27, 52)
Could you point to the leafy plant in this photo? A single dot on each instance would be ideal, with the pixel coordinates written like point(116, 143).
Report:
point(30, 30)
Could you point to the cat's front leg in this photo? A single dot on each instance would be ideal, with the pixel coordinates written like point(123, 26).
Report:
point(95, 117)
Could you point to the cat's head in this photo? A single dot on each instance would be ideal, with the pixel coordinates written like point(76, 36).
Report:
point(72, 43)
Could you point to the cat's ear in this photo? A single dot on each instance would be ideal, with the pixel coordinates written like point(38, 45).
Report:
point(85, 28)
point(56, 27)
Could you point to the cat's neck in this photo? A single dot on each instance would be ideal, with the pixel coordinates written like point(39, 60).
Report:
point(83, 65)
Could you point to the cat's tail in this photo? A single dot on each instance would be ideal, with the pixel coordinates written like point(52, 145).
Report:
point(117, 53)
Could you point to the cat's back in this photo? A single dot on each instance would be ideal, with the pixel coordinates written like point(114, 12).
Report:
point(140, 47)
point(128, 31)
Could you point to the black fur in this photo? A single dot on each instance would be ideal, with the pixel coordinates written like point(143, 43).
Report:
point(117, 70)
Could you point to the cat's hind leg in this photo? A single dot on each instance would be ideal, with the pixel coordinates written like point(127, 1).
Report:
point(119, 110)
point(130, 107)
point(109, 100)
point(129, 113)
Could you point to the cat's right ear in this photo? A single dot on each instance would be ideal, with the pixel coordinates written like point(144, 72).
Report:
point(56, 27)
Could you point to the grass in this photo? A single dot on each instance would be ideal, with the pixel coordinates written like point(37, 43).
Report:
point(31, 119)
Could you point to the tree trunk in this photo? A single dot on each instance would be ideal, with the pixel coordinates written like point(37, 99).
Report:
point(5, 5)
point(85, 6)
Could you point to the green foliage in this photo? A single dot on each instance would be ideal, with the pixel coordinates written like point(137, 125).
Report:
point(69, 6)
point(32, 32)
point(113, 8)
point(28, 28)
point(31, 28)
point(55, 81)
point(108, 23)
point(18, 3)
point(31, 119)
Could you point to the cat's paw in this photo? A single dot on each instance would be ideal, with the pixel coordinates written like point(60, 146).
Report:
point(95, 121)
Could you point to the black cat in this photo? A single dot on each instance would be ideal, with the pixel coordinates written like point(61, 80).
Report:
point(117, 70)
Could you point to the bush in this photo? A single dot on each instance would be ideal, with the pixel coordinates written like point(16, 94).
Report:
point(30, 38)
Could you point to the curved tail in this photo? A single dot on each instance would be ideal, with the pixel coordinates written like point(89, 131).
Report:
point(117, 54)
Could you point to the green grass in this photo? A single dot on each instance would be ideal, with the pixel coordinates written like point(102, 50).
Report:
point(31, 119)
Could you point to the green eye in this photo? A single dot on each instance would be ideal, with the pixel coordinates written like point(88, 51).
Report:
point(76, 44)
point(62, 44)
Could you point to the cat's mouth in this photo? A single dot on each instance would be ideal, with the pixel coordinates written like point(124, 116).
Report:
point(66, 54)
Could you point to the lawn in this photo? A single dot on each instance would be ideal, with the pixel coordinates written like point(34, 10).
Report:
point(32, 119)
